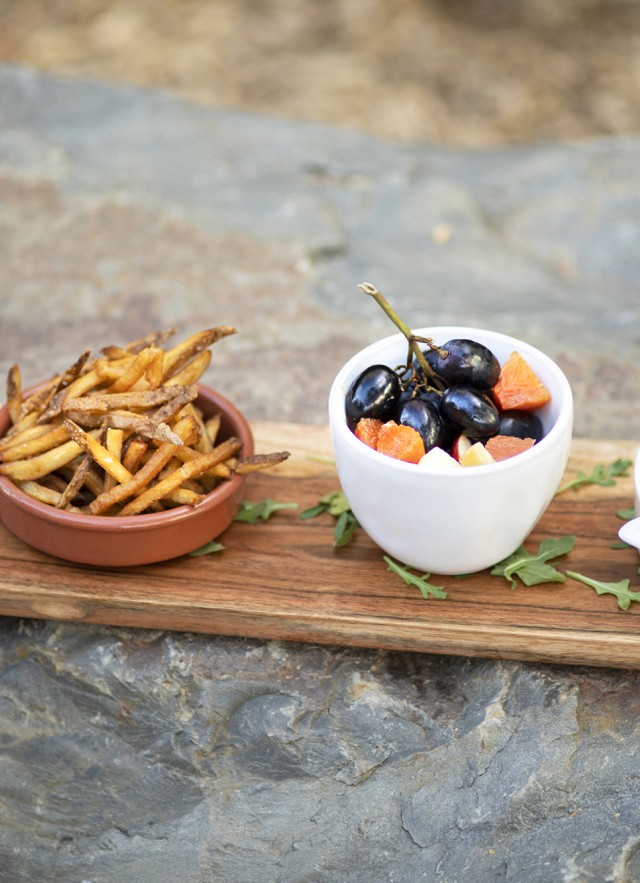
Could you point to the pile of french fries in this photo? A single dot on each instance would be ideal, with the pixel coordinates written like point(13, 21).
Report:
point(121, 434)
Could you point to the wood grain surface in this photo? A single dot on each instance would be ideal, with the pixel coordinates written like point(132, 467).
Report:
point(284, 579)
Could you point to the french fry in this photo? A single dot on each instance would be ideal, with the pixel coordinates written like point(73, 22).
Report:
point(136, 449)
point(183, 352)
point(156, 338)
point(192, 371)
point(43, 399)
point(260, 461)
point(24, 435)
point(55, 436)
point(105, 402)
point(114, 441)
point(37, 467)
point(165, 413)
point(155, 369)
point(187, 470)
point(99, 453)
point(184, 497)
point(186, 429)
point(14, 394)
point(138, 367)
point(77, 388)
point(204, 443)
point(38, 400)
point(43, 493)
point(144, 426)
point(121, 434)
point(212, 427)
point(82, 474)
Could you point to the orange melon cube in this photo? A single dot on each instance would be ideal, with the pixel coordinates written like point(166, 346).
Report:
point(518, 387)
point(400, 442)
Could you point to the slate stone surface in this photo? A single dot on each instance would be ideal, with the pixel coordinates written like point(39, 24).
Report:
point(135, 755)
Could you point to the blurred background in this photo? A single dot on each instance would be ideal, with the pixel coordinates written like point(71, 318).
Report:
point(468, 73)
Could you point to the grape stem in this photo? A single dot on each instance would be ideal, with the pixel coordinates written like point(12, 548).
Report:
point(412, 339)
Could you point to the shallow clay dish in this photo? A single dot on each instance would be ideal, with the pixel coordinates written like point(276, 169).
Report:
point(112, 541)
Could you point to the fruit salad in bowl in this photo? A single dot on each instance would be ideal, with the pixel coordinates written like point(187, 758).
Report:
point(449, 442)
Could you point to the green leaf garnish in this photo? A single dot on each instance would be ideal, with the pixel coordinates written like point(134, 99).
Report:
point(251, 513)
point(626, 514)
point(620, 589)
point(207, 549)
point(602, 475)
point(411, 579)
point(336, 504)
point(537, 568)
point(346, 526)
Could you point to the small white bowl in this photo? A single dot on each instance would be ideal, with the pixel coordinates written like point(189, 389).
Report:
point(456, 521)
point(630, 531)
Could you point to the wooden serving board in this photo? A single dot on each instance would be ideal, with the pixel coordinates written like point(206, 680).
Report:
point(284, 579)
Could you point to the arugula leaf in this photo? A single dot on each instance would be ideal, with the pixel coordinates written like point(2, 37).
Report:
point(212, 546)
point(537, 568)
point(619, 589)
point(254, 512)
point(346, 526)
point(250, 513)
point(336, 504)
point(601, 475)
point(411, 579)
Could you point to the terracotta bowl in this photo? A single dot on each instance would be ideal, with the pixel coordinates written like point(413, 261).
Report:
point(111, 541)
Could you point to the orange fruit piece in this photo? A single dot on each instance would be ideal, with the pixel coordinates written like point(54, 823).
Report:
point(501, 447)
point(518, 387)
point(400, 442)
point(368, 430)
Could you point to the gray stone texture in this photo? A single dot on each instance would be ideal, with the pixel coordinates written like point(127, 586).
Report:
point(136, 755)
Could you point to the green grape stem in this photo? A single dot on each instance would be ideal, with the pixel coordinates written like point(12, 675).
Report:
point(412, 339)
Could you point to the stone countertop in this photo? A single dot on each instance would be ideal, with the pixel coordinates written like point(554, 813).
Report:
point(138, 755)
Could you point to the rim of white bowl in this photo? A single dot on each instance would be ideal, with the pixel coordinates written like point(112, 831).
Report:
point(367, 356)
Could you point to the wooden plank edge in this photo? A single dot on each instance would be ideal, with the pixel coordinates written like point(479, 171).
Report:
point(562, 646)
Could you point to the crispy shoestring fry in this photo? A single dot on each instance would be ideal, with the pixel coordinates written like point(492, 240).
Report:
point(51, 438)
point(136, 449)
point(78, 387)
point(137, 369)
point(10, 440)
point(38, 400)
point(187, 470)
point(123, 434)
point(114, 441)
point(260, 461)
point(82, 475)
point(144, 426)
point(192, 371)
point(42, 464)
point(103, 403)
point(137, 483)
point(14, 394)
point(43, 493)
point(100, 454)
point(182, 353)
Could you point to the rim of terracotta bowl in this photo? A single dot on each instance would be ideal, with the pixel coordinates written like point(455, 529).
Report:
point(338, 391)
point(231, 416)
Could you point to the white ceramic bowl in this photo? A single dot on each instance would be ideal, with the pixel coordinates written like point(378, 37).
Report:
point(456, 521)
point(630, 531)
